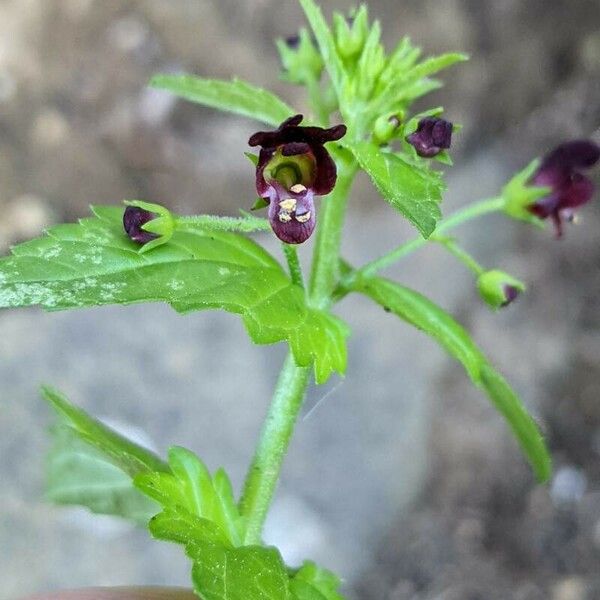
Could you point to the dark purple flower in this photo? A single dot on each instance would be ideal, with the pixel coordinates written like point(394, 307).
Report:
point(560, 171)
point(133, 219)
point(433, 135)
point(294, 167)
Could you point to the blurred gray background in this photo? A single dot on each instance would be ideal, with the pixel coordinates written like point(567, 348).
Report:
point(402, 479)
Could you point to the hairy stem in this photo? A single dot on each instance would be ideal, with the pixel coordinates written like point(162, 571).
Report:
point(294, 267)
point(278, 427)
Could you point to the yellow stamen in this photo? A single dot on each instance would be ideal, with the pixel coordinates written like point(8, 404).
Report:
point(289, 204)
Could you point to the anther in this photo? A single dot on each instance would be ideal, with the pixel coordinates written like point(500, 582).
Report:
point(289, 204)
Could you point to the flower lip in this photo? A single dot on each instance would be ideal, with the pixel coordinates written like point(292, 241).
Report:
point(134, 218)
point(433, 135)
point(569, 189)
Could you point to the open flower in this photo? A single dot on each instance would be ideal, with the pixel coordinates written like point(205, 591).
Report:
point(569, 189)
point(433, 135)
point(293, 167)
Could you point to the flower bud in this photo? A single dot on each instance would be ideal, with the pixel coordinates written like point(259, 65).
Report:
point(300, 58)
point(148, 224)
point(499, 289)
point(433, 135)
point(351, 33)
point(385, 128)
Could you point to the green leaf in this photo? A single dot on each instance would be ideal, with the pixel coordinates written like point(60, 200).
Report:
point(414, 191)
point(234, 96)
point(434, 321)
point(93, 263)
point(314, 583)
point(190, 489)
point(199, 512)
point(326, 41)
point(78, 474)
point(247, 573)
point(128, 456)
point(402, 81)
point(370, 63)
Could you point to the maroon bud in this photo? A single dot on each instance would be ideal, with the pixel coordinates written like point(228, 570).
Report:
point(569, 189)
point(292, 42)
point(133, 219)
point(433, 135)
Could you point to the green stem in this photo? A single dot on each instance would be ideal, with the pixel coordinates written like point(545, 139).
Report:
point(325, 268)
point(459, 253)
point(291, 256)
point(483, 207)
point(274, 440)
point(277, 430)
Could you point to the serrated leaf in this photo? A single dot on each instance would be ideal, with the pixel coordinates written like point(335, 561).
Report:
point(191, 489)
point(93, 263)
point(178, 525)
point(128, 456)
point(423, 314)
point(247, 573)
point(80, 475)
point(416, 192)
point(234, 96)
point(325, 39)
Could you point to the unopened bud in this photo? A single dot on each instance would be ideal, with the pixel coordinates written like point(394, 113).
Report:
point(149, 224)
point(499, 289)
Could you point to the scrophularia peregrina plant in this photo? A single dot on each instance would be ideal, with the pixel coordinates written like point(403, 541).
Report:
point(360, 119)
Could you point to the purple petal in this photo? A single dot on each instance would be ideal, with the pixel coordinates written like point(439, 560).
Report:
point(295, 148)
point(133, 219)
point(577, 193)
point(510, 293)
point(431, 137)
point(292, 214)
point(577, 154)
point(326, 171)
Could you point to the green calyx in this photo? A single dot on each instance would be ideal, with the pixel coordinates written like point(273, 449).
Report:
point(498, 289)
point(163, 225)
point(301, 61)
point(386, 128)
point(351, 33)
point(519, 195)
point(291, 170)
